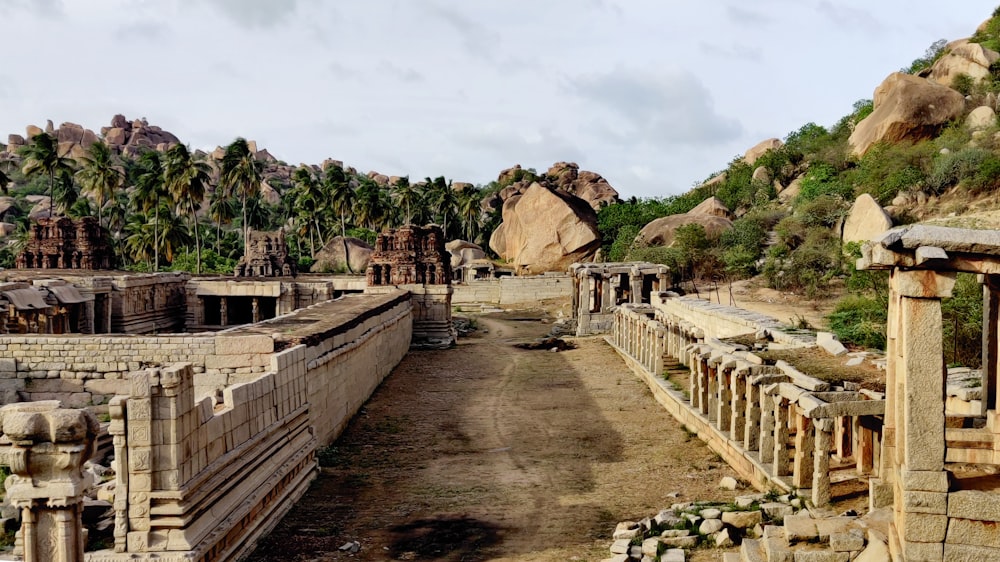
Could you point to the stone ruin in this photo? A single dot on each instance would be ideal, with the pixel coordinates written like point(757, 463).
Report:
point(415, 258)
point(266, 256)
point(598, 288)
point(64, 243)
point(410, 255)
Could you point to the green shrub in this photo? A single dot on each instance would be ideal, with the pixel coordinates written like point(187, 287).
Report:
point(823, 179)
point(886, 169)
point(808, 266)
point(952, 168)
point(962, 316)
point(622, 245)
point(931, 55)
point(989, 35)
point(860, 320)
point(987, 178)
point(825, 211)
point(963, 83)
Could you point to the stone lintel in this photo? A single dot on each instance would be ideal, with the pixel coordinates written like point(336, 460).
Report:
point(922, 283)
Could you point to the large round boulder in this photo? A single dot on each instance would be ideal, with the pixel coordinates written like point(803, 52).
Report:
point(339, 253)
point(712, 206)
point(546, 230)
point(661, 231)
point(464, 253)
point(758, 150)
point(866, 220)
point(907, 108)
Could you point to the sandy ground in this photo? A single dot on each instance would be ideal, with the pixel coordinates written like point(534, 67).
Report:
point(487, 452)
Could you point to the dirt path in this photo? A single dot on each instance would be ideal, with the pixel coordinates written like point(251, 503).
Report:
point(487, 452)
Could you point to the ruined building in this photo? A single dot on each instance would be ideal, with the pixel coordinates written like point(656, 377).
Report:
point(266, 256)
point(65, 243)
point(414, 258)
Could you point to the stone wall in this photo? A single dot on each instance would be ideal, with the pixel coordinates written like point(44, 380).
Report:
point(205, 478)
point(514, 290)
point(287, 296)
point(150, 303)
point(721, 321)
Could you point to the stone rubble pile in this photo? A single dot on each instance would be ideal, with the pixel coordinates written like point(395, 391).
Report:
point(766, 527)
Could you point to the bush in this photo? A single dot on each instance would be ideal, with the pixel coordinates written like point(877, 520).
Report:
point(809, 266)
point(622, 245)
point(860, 320)
point(824, 211)
point(962, 316)
point(931, 55)
point(823, 179)
point(887, 169)
point(954, 167)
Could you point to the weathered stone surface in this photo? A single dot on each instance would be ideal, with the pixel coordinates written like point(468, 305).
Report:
point(712, 206)
point(742, 519)
point(331, 257)
point(65, 243)
point(651, 547)
point(410, 255)
point(689, 541)
point(620, 546)
point(710, 526)
point(866, 220)
point(729, 483)
point(821, 556)
point(974, 504)
point(464, 253)
point(982, 117)
point(776, 510)
point(962, 57)
point(710, 513)
point(906, 108)
point(846, 542)
point(672, 555)
point(626, 530)
point(722, 539)
point(673, 533)
point(800, 528)
point(660, 232)
point(544, 230)
point(266, 256)
point(877, 551)
point(758, 150)
point(830, 344)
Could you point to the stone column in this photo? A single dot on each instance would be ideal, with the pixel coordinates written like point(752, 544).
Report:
point(48, 448)
point(821, 463)
point(766, 425)
point(780, 467)
point(991, 342)
point(863, 446)
point(255, 308)
point(802, 469)
point(223, 311)
point(635, 286)
point(738, 393)
point(752, 429)
point(723, 402)
point(606, 300)
point(918, 407)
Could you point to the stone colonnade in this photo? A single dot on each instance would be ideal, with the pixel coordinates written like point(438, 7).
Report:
point(786, 426)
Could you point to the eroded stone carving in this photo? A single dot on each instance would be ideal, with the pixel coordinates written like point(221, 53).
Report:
point(410, 255)
point(266, 256)
point(64, 243)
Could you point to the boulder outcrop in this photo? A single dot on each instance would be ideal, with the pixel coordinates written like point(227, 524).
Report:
point(712, 214)
point(906, 108)
point(712, 206)
point(566, 177)
point(758, 150)
point(982, 117)
point(464, 253)
point(962, 57)
point(866, 220)
point(334, 257)
point(546, 230)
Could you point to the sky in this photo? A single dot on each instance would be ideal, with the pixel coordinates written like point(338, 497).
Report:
point(655, 95)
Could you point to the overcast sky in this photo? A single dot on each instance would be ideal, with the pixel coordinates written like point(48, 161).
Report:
point(653, 94)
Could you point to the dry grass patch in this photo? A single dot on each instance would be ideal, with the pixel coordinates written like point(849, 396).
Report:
point(817, 363)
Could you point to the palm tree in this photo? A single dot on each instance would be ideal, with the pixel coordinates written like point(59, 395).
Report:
point(406, 196)
point(186, 178)
point(149, 192)
point(370, 208)
point(100, 176)
point(41, 156)
point(65, 194)
point(117, 213)
point(443, 196)
point(222, 210)
point(140, 238)
point(341, 196)
point(173, 233)
point(469, 210)
point(241, 175)
point(309, 201)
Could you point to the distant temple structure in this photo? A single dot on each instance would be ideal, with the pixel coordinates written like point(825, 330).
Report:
point(266, 256)
point(65, 243)
point(410, 255)
point(414, 258)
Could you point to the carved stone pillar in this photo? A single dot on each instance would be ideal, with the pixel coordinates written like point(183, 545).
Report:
point(821, 462)
point(256, 309)
point(48, 448)
point(223, 311)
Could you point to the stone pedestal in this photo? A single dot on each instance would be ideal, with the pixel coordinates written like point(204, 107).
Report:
point(48, 448)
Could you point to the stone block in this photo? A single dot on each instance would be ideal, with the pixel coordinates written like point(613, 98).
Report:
point(673, 533)
point(800, 528)
point(821, 556)
point(924, 480)
point(776, 549)
point(710, 513)
point(651, 547)
point(829, 343)
point(977, 533)
point(107, 386)
point(973, 504)
point(750, 551)
point(742, 519)
point(710, 526)
point(923, 528)
point(828, 526)
point(689, 541)
point(776, 511)
point(925, 502)
point(672, 555)
point(723, 539)
point(846, 542)
point(243, 344)
point(54, 386)
point(968, 553)
point(923, 283)
point(620, 546)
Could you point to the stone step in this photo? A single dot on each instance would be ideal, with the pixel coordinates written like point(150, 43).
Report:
point(751, 551)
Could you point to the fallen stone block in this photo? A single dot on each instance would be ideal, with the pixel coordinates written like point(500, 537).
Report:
point(710, 513)
point(651, 547)
point(729, 483)
point(620, 546)
point(750, 551)
point(747, 500)
point(846, 542)
point(800, 528)
point(821, 556)
point(777, 511)
point(673, 533)
point(829, 343)
point(742, 519)
point(673, 555)
point(710, 526)
point(777, 550)
point(690, 541)
point(722, 539)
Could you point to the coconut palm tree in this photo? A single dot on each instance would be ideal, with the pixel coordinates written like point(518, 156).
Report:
point(66, 194)
point(241, 175)
point(469, 210)
point(406, 196)
point(370, 208)
point(341, 195)
point(100, 176)
point(41, 156)
point(309, 203)
point(222, 210)
point(186, 179)
point(149, 193)
point(443, 197)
